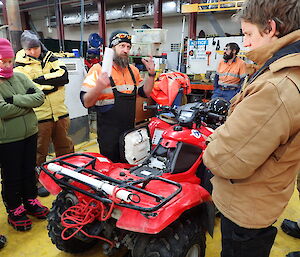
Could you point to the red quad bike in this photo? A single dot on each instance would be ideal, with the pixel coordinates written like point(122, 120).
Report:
point(156, 208)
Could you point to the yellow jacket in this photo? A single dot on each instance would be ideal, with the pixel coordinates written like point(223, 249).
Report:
point(50, 75)
point(255, 155)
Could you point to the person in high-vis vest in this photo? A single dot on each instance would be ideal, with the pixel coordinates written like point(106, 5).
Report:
point(50, 75)
point(115, 97)
point(231, 73)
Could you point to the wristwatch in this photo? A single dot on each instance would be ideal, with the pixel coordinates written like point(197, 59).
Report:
point(152, 75)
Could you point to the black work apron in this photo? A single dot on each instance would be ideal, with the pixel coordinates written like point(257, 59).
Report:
point(114, 122)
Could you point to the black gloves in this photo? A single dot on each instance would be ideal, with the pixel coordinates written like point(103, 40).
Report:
point(30, 91)
point(47, 92)
point(9, 100)
point(40, 80)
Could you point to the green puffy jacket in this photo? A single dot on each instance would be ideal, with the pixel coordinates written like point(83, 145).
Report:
point(18, 97)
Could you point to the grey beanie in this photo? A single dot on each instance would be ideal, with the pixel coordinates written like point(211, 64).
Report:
point(29, 40)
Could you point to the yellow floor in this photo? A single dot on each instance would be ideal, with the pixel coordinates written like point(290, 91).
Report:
point(36, 243)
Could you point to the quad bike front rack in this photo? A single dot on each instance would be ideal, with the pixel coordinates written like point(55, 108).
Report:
point(129, 185)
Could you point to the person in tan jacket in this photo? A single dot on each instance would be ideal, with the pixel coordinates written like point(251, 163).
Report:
point(255, 155)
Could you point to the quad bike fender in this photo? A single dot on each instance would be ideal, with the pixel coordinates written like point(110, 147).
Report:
point(51, 186)
point(102, 163)
point(152, 223)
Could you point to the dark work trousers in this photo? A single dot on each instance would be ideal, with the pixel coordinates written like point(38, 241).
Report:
point(113, 123)
point(226, 94)
point(17, 172)
point(242, 242)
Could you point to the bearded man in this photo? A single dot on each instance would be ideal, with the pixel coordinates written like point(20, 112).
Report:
point(114, 97)
point(230, 73)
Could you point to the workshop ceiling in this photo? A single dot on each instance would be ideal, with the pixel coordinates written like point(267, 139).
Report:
point(71, 5)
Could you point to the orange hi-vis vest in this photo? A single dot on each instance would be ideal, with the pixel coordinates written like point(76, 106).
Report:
point(121, 77)
point(230, 74)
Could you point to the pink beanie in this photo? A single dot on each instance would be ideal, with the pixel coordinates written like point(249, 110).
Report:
point(6, 50)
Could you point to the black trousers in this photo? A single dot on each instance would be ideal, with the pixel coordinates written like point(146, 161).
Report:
point(18, 171)
point(242, 242)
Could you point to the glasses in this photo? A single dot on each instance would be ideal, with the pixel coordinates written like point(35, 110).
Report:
point(123, 35)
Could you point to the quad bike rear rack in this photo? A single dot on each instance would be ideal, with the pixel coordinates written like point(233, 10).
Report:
point(123, 184)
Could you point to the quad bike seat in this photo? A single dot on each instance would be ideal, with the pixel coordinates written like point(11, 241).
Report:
point(168, 160)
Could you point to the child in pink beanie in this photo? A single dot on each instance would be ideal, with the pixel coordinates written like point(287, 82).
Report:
point(18, 139)
point(6, 53)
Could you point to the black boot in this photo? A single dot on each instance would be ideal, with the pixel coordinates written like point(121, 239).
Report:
point(291, 228)
point(3, 241)
point(43, 192)
point(18, 219)
point(36, 209)
point(293, 254)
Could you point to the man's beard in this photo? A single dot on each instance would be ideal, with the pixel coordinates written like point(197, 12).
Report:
point(227, 57)
point(121, 61)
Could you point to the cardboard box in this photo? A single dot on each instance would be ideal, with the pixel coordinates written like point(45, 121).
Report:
point(140, 114)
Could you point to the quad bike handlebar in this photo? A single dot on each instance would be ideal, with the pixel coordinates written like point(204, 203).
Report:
point(196, 113)
point(190, 113)
point(206, 113)
point(161, 108)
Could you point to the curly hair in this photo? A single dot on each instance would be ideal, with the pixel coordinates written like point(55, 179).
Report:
point(285, 13)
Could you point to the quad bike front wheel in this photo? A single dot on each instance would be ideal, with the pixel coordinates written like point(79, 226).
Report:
point(63, 201)
point(184, 238)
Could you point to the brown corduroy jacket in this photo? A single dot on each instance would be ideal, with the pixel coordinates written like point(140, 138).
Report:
point(255, 155)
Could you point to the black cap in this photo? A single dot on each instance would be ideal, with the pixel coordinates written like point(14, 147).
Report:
point(118, 37)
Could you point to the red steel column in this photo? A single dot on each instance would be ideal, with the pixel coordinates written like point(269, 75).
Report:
point(101, 4)
point(25, 18)
point(193, 22)
point(4, 13)
point(157, 14)
point(14, 22)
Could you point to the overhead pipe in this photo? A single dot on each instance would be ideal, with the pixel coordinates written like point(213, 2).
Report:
point(26, 6)
point(168, 8)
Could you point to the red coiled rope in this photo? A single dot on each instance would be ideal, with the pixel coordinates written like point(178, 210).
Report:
point(77, 216)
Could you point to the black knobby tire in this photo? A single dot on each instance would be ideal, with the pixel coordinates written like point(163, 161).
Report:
point(63, 201)
point(177, 240)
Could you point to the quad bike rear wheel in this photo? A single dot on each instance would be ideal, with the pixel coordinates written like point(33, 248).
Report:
point(183, 238)
point(63, 201)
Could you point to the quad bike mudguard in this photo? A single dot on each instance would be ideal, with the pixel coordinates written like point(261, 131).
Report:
point(154, 222)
